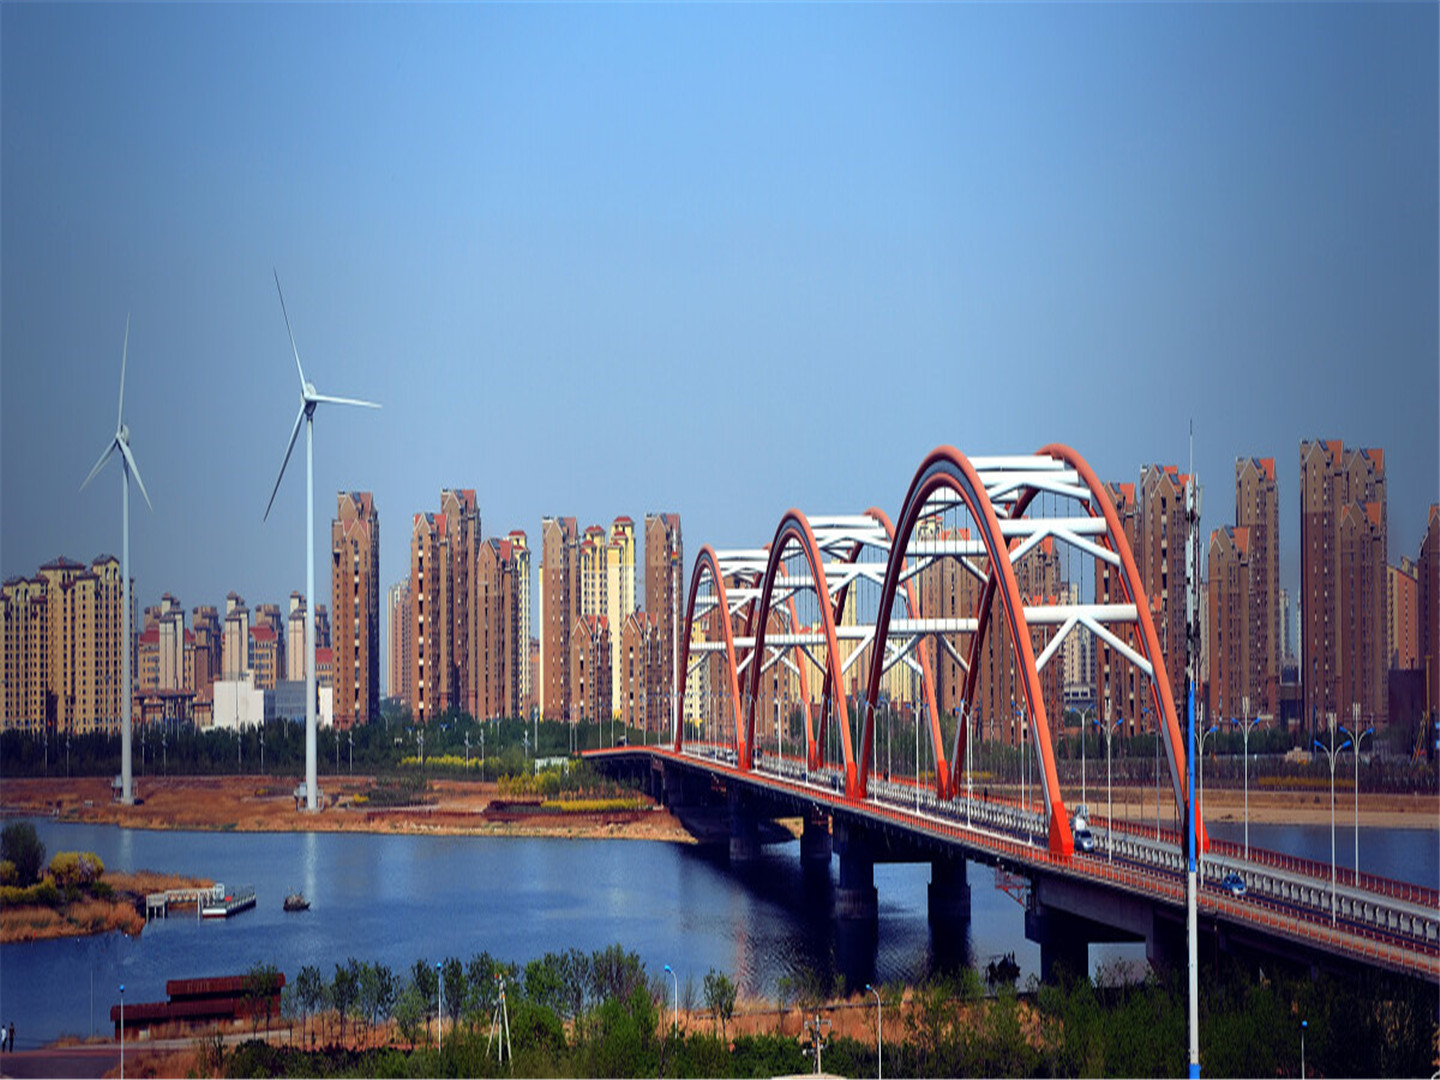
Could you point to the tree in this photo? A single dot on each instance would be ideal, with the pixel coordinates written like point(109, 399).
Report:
point(309, 994)
point(426, 983)
point(410, 1006)
point(343, 990)
point(720, 998)
point(262, 982)
point(452, 975)
point(20, 844)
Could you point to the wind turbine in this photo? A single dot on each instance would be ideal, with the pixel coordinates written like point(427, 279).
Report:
point(121, 442)
point(309, 398)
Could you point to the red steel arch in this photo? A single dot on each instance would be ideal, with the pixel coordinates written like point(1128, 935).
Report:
point(944, 783)
point(707, 565)
point(947, 467)
point(794, 528)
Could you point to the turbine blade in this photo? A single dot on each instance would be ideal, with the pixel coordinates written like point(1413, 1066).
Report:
point(343, 401)
point(104, 457)
point(130, 460)
point(293, 349)
point(288, 450)
point(120, 412)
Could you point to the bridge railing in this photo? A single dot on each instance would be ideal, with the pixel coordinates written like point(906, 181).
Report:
point(1282, 891)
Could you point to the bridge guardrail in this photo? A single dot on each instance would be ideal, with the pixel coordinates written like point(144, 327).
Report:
point(1391, 916)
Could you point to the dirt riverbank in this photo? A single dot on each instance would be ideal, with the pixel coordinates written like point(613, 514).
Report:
point(266, 804)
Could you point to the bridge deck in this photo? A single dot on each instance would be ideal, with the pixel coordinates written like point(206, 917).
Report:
point(1389, 924)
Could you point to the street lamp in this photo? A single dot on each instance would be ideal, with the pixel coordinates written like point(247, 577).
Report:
point(1331, 752)
point(1109, 731)
point(439, 1004)
point(122, 1032)
point(1245, 727)
point(879, 1036)
point(1357, 739)
point(1083, 733)
point(677, 996)
point(969, 760)
point(1303, 1025)
point(1144, 712)
point(1200, 806)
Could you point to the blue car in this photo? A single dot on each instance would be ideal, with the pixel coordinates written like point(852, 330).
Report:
point(1233, 883)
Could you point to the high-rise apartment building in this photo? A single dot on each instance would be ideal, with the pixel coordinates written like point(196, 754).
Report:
point(270, 615)
point(639, 659)
point(460, 547)
point(502, 591)
point(62, 645)
point(165, 650)
point(1243, 636)
point(264, 656)
point(1402, 598)
point(559, 611)
point(590, 669)
point(1342, 583)
point(322, 627)
point(1257, 508)
point(355, 599)
point(664, 595)
point(430, 582)
point(1117, 681)
point(1427, 585)
point(295, 650)
point(400, 673)
point(1161, 532)
point(208, 631)
point(237, 639)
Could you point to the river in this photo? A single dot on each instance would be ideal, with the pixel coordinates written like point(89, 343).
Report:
point(395, 899)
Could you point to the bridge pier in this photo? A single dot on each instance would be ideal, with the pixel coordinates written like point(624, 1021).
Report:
point(949, 891)
point(855, 897)
point(744, 830)
point(816, 846)
point(1064, 942)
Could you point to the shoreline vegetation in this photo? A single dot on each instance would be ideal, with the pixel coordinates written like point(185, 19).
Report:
point(72, 894)
point(605, 1014)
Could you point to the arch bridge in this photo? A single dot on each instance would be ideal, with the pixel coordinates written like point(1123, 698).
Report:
point(949, 623)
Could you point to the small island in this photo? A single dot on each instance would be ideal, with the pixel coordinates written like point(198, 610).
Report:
point(73, 894)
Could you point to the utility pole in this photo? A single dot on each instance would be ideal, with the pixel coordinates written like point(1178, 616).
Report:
point(1192, 671)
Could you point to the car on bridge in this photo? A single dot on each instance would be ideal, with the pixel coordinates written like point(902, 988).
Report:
point(1233, 883)
point(1084, 839)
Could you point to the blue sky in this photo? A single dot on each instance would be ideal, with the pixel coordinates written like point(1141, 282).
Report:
point(715, 259)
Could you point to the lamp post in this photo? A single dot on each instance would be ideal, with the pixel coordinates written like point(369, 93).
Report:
point(1356, 739)
point(439, 1005)
point(969, 759)
point(482, 755)
point(1245, 727)
point(879, 1036)
point(1084, 730)
point(1109, 729)
point(677, 996)
point(1144, 712)
point(1200, 810)
point(1303, 1025)
point(122, 1032)
point(1331, 752)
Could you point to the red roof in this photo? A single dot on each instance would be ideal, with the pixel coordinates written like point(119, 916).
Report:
point(262, 633)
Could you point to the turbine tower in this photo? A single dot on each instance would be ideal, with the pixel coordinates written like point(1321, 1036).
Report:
point(308, 400)
point(121, 442)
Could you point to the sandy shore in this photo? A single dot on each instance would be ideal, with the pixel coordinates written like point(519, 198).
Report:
point(265, 804)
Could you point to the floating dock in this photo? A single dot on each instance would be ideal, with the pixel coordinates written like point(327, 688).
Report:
point(223, 904)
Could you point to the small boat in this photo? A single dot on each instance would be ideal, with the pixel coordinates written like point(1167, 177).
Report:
point(296, 901)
